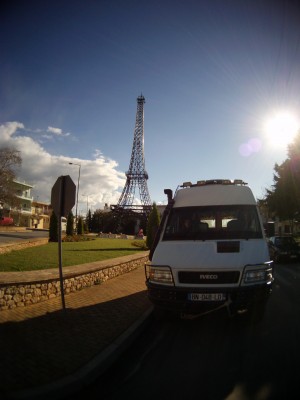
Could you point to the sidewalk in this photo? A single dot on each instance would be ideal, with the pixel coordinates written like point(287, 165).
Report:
point(47, 352)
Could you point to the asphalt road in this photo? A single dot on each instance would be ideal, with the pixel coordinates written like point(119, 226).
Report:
point(213, 357)
point(13, 237)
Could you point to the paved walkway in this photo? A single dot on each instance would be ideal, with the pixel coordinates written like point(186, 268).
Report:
point(47, 352)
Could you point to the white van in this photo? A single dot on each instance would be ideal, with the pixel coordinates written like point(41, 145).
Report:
point(210, 251)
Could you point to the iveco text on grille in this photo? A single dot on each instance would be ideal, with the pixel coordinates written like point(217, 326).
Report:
point(208, 276)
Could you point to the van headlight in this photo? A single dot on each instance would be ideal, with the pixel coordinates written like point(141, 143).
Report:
point(255, 276)
point(159, 274)
point(259, 274)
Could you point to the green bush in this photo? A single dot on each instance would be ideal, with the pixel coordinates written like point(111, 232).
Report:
point(140, 243)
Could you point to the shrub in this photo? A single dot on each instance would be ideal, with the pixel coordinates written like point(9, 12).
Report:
point(140, 243)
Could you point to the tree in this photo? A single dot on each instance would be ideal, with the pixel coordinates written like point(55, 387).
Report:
point(294, 156)
point(10, 160)
point(110, 222)
point(80, 226)
point(89, 221)
point(97, 225)
point(53, 228)
point(70, 224)
point(152, 225)
point(284, 197)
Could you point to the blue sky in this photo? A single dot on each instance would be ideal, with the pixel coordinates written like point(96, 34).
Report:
point(212, 72)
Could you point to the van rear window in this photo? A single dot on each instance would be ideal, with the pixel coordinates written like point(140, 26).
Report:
point(213, 222)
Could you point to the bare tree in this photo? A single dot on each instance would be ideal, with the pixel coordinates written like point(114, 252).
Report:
point(10, 160)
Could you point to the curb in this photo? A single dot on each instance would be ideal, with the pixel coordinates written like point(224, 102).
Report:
point(21, 244)
point(88, 373)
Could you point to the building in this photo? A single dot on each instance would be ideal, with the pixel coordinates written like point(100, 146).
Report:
point(280, 227)
point(26, 212)
point(40, 215)
point(21, 213)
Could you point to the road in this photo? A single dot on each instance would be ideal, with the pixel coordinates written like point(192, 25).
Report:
point(213, 357)
point(13, 237)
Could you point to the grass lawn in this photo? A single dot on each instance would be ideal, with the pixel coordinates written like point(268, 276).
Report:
point(73, 253)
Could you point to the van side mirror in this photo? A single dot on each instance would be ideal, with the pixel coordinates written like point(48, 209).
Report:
point(169, 193)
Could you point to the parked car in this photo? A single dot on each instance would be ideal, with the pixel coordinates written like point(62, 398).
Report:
point(284, 248)
point(6, 221)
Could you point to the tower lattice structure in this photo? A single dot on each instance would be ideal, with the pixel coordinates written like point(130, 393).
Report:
point(136, 175)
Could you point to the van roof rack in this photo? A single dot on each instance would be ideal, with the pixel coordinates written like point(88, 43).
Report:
point(214, 182)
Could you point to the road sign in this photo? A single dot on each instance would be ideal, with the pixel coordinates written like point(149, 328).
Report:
point(62, 201)
point(63, 196)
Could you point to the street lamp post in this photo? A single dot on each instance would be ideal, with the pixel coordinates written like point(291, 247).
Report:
point(79, 165)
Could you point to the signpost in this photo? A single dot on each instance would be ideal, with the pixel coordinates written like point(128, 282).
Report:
point(62, 201)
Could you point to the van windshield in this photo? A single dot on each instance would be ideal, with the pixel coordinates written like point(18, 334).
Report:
point(213, 222)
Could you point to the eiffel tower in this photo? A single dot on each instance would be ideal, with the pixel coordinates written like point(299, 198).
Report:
point(136, 174)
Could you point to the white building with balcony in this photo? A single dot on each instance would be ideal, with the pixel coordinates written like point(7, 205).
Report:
point(25, 211)
point(20, 211)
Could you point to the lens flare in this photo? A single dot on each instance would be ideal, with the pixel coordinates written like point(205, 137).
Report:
point(281, 128)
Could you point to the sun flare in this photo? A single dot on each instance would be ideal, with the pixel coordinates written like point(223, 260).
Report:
point(281, 128)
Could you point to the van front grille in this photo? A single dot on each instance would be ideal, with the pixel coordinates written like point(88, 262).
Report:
point(208, 277)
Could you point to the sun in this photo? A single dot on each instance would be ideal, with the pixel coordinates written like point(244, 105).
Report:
point(281, 128)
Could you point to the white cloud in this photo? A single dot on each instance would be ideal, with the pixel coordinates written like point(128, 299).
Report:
point(97, 153)
point(100, 181)
point(57, 131)
point(48, 137)
point(7, 130)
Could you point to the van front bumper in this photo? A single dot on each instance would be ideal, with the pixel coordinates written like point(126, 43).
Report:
point(177, 299)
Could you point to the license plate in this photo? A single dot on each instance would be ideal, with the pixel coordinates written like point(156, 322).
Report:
point(293, 256)
point(206, 296)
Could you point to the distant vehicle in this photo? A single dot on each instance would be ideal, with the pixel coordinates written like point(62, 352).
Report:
point(269, 228)
point(6, 221)
point(283, 248)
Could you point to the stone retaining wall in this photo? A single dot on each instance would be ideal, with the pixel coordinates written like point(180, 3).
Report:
point(23, 294)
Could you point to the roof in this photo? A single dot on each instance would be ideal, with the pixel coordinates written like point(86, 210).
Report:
point(214, 194)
